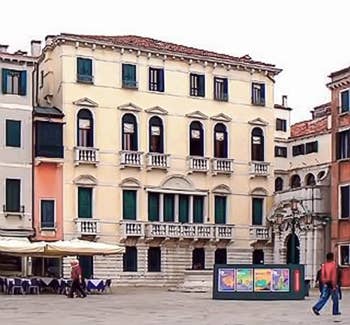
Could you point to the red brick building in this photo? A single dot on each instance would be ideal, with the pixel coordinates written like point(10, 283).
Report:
point(340, 230)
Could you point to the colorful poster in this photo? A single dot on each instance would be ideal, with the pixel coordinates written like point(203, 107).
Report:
point(244, 280)
point(262, 280)
point(280, 280)
point(226, 278)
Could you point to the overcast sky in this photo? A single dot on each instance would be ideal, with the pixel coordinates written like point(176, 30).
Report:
point(307, 39)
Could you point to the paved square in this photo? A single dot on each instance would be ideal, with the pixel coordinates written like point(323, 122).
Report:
point(128, 306)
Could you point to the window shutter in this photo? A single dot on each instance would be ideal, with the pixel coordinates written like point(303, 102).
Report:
point(134, 140)
point(345, 201)
point(84, 202)
point(150, 71)
point(345, 101)
point(201, 85)
point(168, 207)
point(153, 207)
point(4, 73)
point(183, 208)
point(13, 195)
point(225, 89)
point(47, 214)
point(257, 211)
point(220, 209)
point(198, 209)
point(129, 205)
point(23, 83)
point(161, 79)
point(13, 133)
point(262, 94)
point(130, 259)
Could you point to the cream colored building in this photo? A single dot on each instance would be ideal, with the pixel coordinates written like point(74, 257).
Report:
point(168, 150)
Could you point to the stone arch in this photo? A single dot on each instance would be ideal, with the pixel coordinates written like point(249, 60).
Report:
point(85, 180)
point(130, 182)
point(177, 182)
point(222, 189)
point(260, 191)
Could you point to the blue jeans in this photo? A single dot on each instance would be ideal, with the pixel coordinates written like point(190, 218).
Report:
point(326, 293)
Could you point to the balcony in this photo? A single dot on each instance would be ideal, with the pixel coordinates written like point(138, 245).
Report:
point(87, 226)
point(222, 166)
point(259, 233)
point(259, 168)
point(85, 155)
point(198, 164)
point(18, 212)
point(158, 160)
point(132, 228)
point(131, 159)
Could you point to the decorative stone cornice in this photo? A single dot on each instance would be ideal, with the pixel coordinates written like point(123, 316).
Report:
point(85, 180)
point(258, 121)
point(85, 101)
point(130, 182)
point(156, 110)
point(130, 107)
point(197, 115)
point(221, 117)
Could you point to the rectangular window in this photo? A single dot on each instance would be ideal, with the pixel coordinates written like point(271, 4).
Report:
point(311, 147)
point(220, 89)
point(343, 144)
point(154, 259)
point(258, 94)
point(198, 209)
point(183, 208)
point(14, 82)
point(47, 213)
point(48, 140)
point(129, 76)
point(281, 125)
point(156, 79)
point(129, 205)
point(344, 101)
point(257, 211)
point(344, 254)
point(345, 201)
point(84, 70)
point(169, 211)
point(130, 259)
point(13, 133)
point(280, 151)
point(84, 202)
point(298, 150)
point(197, 85)
point(13, 195)
point(153, 206)
point(220, 209)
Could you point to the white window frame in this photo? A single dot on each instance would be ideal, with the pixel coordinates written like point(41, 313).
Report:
point(339, 255)
point(339, 201)
point(339, 99)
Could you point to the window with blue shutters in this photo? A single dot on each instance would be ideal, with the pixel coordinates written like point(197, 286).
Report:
point(13, 133)
point(258, 94)
point(197, 85)
point(344, 101)
point(220, 89)
point(14, 82)
point(84, 70)
point(47, 213)
point(48, 139)
point(156, 79)
point(13, 195)
point(129, 76)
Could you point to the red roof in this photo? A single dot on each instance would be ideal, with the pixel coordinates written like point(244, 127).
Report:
point(146, 43)
point(311, 127)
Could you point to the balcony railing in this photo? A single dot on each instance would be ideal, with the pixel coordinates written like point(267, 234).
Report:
point(158, 160)
point(259, 233)
point(131, 158)
point(224, 232)
point(87, 226)
point(131, 228)
point(198, 164)
point(86, 155)
point(222, 166)
point(19, 211)
point(260, 168)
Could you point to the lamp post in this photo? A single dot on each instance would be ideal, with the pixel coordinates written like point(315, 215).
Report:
point(294, 208)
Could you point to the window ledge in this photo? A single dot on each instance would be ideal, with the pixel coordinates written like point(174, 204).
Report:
point(259, 104)
point(343, 160)
point(344, 113)
point(344, 219)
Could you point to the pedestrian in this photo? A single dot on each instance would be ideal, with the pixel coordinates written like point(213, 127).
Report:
point(329, 282)
point(76, 280)
point(318, 280)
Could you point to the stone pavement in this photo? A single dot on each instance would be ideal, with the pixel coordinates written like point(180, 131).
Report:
point(143, 306)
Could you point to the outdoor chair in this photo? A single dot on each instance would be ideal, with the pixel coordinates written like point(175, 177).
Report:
point(34, 286)
point(108, 286)
point(17, 285)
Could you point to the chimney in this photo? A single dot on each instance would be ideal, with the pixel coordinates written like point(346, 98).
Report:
point(284, 101)
point(3, 48)
point(48, 39)
point(35, 48)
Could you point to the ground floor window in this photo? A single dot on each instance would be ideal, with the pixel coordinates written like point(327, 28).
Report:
point(221, 256)
point(344, 255)
point(198, 259)
point(258, 256)
point(10, 264)
point(130, 259)
point(154, 259)
point(50, 267)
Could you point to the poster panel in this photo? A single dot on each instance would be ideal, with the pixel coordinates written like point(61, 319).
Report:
point(262, 280)
point(280, 280)
point(244, 278)
point(226, 280)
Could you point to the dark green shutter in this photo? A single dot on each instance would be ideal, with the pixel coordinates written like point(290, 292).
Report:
point(345, 199)
point(13, 195)
point(130, 259)
point(169, 207)
point(220, 209)
point(201, 85)
point(225, 90)
point(84, 69)
point(84, 202)
point(262, 94)
point(257, 210)
point(4, 73)
point(23, 83)
point(198, 209)
point(160, 80)
point(153, 207)
point(47, 214)
point(13, 133)
point(129, 205)
point(183, 208)
point(345, 101)
point(129, 75)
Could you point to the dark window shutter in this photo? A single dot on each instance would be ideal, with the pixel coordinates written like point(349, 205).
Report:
point(183, 208)
point(161, 80)
point(4, 73)
point(168, 207)
point(257, 210)
point(198, 209)
point(130, 259)
point(84, 202)
point(47, 214)
point(220, 209)
point(225, 94)
point(13, 195)
point(13, 133)
point(129, 205)
point(154, 259)
point(201, 85)
point(49, 139)
point(345, 101)
point(345, 196)
point(23, 83)
point(262, 94)
point(153, 206)
point(129, 75)
point(150, 78)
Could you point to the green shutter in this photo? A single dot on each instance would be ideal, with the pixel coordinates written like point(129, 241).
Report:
point(257, 211)
point(169, 207)
point(4, 73)
point(84, 69)
point(198, 209)
point(129, 75)
point(23, 83)
point(220, 209)
point(129, 205)
point(183, 208)
point(13, 133)
point(13, 195)
point(201, 85)
point(153, 207)
point(84, 202)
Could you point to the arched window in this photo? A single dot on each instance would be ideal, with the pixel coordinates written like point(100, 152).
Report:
point(220, 141)
point(85, 129)
point(196, 139)
point(129, 132)
point(257, 145)
point(278, 184)
point(295, 181)
point(156, 135)
point(310, 180)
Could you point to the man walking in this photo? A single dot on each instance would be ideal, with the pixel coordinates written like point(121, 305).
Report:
point(76, 280)
point(329, 282)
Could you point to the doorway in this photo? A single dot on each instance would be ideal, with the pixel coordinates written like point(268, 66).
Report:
point(258, 256)
point(293, 249)
point(87, 266)
point(221, 256)
point(198, 259)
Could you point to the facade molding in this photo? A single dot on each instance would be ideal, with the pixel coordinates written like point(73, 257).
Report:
point(131, 107)
point(85, 180)
point(197, 115)
point(221, 118)
point(156, 110)
point(258, 122)
point(85, 101)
